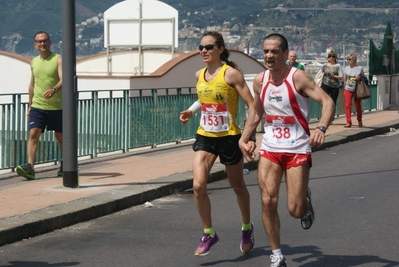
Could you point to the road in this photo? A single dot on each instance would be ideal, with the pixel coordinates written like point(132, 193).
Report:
point(355, 194)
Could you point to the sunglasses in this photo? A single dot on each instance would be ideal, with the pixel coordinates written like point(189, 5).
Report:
point(331, 56)
point(207, 47)
point(41, 41)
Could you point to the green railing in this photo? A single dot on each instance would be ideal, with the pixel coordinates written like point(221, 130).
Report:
point(115, 120)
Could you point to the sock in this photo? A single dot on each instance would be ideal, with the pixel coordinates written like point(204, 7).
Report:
point(277, 252)
point(246, 226)
point(209, 231)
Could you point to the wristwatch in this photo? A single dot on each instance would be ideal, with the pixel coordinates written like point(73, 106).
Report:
point(322, 128)
point(252, 138)
point(54, 90)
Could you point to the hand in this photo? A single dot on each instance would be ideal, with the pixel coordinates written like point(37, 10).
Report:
point(48, 93)
point(185, 116)
point(248, 149)
point(316, 138)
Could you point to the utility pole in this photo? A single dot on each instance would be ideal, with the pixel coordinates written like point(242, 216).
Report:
point(69, 96)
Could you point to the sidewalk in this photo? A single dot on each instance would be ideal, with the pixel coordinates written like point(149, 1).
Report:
point(110, 184)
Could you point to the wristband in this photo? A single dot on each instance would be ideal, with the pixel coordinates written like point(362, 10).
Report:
point(252, 138)
point(195, 107)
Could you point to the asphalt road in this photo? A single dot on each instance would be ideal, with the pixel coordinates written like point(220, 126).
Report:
point(355, 195)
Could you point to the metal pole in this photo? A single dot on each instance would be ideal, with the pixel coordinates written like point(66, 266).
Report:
point(140, 37)
point(69, 96)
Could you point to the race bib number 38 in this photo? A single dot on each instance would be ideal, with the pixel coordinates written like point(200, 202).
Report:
point(281, 130)
point(214, 117)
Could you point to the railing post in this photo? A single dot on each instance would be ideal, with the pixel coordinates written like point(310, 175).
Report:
point(127, 122)
point(96, 120)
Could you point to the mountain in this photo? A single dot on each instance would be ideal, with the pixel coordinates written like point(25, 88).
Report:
point(21, 19)
point(312, 25)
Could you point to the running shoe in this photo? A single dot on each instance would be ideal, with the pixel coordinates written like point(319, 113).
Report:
point(26, 171)
point(277, 261)
point(60, 173)
point(206, 242)
point(247, 240)
point(308, 218)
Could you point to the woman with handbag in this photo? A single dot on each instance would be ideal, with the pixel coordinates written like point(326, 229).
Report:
point(352, 74)
point(332, 73)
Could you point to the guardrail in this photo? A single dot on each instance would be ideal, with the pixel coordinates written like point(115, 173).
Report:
point(116, 120)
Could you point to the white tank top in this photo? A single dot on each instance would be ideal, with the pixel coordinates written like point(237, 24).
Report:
point(287, 115)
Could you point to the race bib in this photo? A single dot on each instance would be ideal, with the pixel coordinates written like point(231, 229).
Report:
point(280, 130)
point(214, 117)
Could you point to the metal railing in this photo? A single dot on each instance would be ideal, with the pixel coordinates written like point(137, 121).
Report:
point(116, 120)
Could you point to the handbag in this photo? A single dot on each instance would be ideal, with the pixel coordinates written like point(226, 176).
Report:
point(362, 90)
point(318, 79)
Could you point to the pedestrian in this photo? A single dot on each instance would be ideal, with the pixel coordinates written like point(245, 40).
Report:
point(352, 74)
point(292, 61)
point(45, 100)
point(332, 73)
point(219, 86)
point(282, 94)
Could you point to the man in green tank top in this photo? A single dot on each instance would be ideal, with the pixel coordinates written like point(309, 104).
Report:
point(45, 100)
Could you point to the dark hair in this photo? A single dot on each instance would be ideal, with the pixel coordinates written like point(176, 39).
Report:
point(224, 56)
point(281, 38)
point(40, 32)
point(334, 54)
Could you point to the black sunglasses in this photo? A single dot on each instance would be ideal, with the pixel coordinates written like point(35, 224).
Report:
point(207, 47)
point(41, 41)
point(331, 56)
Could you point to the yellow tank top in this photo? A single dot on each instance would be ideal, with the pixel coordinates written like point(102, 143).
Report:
point(219, 105)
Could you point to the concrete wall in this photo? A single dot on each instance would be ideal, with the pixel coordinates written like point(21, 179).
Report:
point(123, 63)
point(91, 71)
point(177, 72)
point(14, 73)
point(394, 102)
point(384, 85)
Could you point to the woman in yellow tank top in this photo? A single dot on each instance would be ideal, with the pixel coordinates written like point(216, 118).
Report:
point(219, 85)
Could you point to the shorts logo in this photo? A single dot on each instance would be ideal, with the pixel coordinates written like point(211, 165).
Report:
point(301, 160)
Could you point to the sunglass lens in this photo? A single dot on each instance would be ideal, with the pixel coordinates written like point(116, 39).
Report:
point(207, 47)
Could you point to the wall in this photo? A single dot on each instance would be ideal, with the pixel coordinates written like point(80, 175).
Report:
point(384, 87)
point(14, 73)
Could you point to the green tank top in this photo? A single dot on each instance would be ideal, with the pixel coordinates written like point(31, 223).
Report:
point(45, 72)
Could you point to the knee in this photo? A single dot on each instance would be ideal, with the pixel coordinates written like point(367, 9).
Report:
point(58, 136)
point(269, 204)
point(240, 189)
point(297, 210)
point(199, 189)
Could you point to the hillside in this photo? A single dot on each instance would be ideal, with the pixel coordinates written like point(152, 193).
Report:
point(354, 22)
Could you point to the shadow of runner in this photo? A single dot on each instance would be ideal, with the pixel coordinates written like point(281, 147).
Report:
point(317, 258)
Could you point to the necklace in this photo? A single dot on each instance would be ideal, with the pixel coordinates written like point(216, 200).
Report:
point(278, 76)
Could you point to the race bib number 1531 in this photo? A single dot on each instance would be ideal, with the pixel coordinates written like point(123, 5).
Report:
point(214, 117)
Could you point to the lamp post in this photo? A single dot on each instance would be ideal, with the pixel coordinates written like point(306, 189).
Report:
point(69, 96)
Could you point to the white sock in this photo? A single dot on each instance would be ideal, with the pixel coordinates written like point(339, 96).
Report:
point(277, 252)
